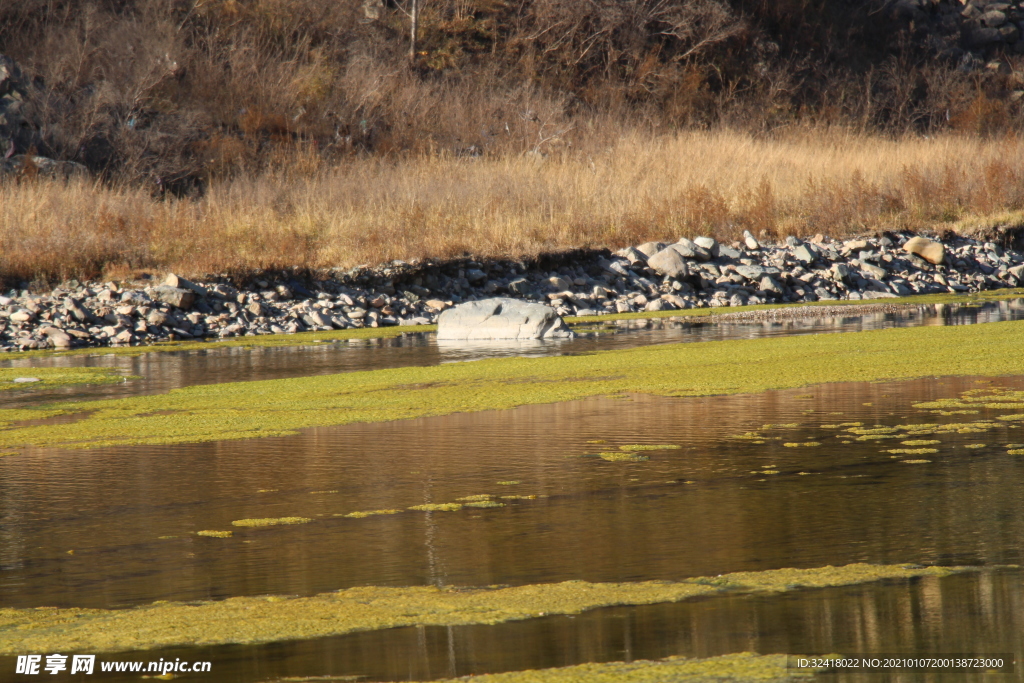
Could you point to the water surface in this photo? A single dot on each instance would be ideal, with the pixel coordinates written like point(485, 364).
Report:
point(116, 527)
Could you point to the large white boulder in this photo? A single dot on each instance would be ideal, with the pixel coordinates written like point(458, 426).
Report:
point(501, 318)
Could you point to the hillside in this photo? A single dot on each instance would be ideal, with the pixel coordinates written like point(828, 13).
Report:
point(240, 135)
point(174, 93)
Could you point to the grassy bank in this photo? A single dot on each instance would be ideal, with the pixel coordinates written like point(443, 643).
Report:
point(278, 407)
point(641, 187)
point(266, 619)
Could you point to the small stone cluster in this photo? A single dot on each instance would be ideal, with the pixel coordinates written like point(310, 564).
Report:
point(18, 133)
point(654, 276)
point(966, 32)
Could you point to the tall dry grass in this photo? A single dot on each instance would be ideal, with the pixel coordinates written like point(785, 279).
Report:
point(369, 210)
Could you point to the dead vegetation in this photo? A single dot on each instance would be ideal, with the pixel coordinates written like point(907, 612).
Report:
point(173, 94)
point(249, 134)
point(370, 210)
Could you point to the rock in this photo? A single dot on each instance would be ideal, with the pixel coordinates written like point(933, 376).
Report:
point(726, 252)
point(900, 289)
point(993, 18)
point(175, 296)
point(650, 248)
point(21, 316)
point(317, 318)
point(614, 267)
point(753, 273)
point(156, 318)
point(57, 336)
point(25, 380)
point(677, 301)
point(438, 305)
point(823, 294)
point(770, 285)
point(501, 318)
point(31, 165)
point(179, 282)
point(520, 286)
point(670, 263)
point(559, 284)
point(634, 256)
point(750, 240)
point(873, 271)
point(690, 249)
point(804, 255)
point(709, 243)
point(475, 275)
point(931, 251)
point(655, 305)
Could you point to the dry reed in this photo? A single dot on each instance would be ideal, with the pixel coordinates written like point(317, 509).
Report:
point(370, 210)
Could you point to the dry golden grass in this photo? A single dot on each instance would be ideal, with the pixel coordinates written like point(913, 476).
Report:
point(370, 210)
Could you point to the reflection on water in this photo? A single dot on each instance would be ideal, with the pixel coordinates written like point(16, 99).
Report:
point(158, 372)
point(129, 514)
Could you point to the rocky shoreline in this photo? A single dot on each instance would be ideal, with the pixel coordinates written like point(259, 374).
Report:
point(649, 277)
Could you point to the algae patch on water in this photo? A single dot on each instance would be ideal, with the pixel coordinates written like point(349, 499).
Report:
point(619, 456)
point(46, 378)
point(271, 521)
point(742, 667)
point(276, 618)
point(360, 514)
point(212, 534)
point(437, 507)
point(241, 410)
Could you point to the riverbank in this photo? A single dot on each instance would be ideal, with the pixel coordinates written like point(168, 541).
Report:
point(652, 278)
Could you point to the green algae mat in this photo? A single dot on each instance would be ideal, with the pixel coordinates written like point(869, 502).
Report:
point(43, 378)
point(242, 410)
point(275, 618)
point(741, 667)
